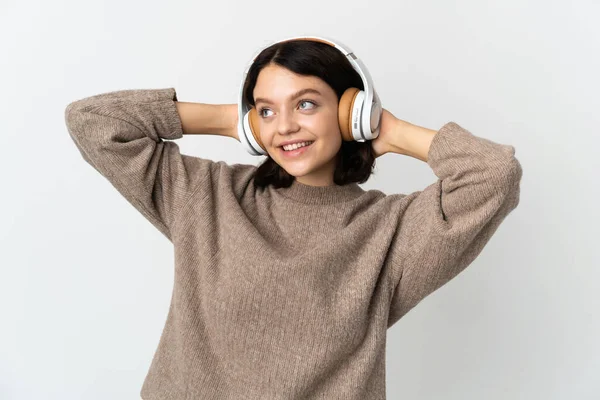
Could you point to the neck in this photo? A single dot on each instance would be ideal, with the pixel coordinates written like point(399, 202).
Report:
point(320, 195)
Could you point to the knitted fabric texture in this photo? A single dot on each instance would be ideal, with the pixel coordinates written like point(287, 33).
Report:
point(288, 293)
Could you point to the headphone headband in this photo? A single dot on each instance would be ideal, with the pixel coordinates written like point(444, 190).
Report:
point(370, 95)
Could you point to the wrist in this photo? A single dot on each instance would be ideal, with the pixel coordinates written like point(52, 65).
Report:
point(208, 119)
point(398, 141)
point(229, 113)
point(412, 140)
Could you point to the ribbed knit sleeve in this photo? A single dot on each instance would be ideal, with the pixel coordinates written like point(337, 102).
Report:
point(121, 135)
point(445, 226)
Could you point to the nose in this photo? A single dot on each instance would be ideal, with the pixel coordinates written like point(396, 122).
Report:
point(286, 122)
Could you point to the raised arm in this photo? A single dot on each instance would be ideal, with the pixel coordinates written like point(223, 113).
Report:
point(444, 227)
point(121, 134)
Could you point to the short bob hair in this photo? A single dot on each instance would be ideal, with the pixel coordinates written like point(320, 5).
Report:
point(355, 160)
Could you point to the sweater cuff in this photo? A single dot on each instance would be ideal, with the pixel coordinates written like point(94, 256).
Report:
point(168, 123)
point(455, 145)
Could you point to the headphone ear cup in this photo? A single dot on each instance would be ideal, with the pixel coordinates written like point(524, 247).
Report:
point(253, 122)
point(345, 113)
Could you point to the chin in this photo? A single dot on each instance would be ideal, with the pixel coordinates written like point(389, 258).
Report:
point(297, 173)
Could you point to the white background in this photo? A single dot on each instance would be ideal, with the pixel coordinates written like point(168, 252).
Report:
point(85, 280)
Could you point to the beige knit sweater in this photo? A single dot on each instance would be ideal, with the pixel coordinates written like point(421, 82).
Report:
point(288, 293)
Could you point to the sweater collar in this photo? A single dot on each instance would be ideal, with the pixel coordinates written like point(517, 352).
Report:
point(320, 195)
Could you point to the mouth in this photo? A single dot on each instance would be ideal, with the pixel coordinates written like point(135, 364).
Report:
point(296, 152)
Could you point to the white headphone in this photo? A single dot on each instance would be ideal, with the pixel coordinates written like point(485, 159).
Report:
point(359, 111)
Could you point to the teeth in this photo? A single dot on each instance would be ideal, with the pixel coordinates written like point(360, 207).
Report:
point(295, 146)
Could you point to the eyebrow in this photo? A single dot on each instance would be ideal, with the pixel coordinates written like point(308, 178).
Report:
point(292, 97)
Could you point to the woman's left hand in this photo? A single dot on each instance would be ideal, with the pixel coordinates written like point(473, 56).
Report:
point(388, 127)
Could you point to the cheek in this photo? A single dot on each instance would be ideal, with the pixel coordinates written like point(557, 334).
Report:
point(266, 134)
point(323, 126)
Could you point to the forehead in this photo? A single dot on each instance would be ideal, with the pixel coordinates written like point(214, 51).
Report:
point(276, 82)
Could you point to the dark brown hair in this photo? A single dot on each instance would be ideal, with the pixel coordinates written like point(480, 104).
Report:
point(355, 160)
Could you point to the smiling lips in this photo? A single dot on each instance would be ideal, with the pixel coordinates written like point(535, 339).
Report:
point(296, 151)
point(294, 146)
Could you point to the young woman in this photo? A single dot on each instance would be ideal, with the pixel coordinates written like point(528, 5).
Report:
point(288, 275)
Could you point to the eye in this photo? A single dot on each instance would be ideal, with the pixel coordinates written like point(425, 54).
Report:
point(308, 101)
point(262, 109)
point(260, 112)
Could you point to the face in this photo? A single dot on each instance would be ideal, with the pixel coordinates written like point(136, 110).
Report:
point(296, 107)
